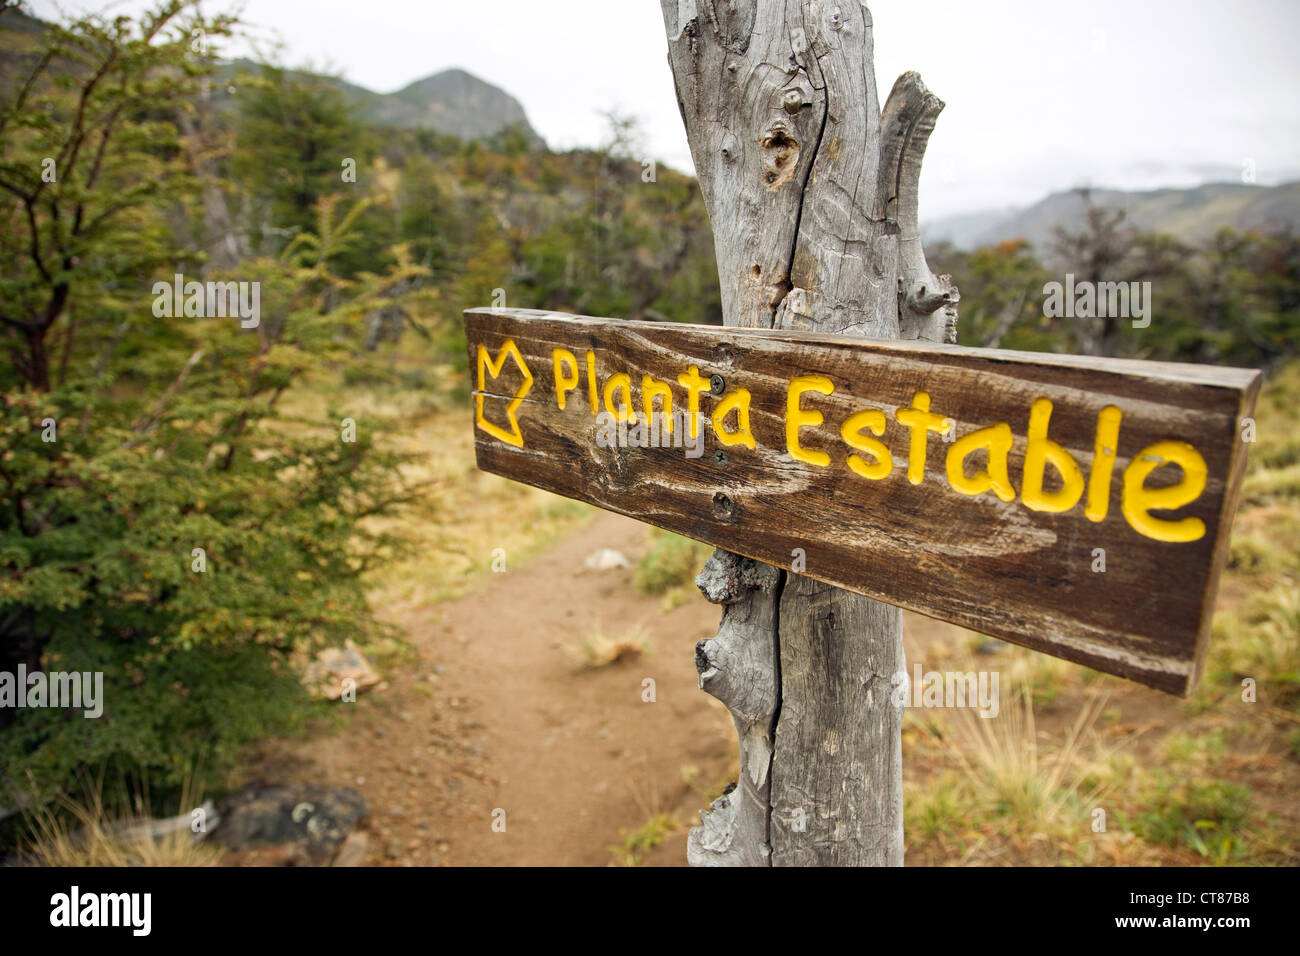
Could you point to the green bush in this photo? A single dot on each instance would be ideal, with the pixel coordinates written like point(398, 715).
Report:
point(98, 539)
point(162, 520)
point(672, 561)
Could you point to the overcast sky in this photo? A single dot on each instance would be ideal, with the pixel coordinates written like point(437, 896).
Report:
point(1041, 95)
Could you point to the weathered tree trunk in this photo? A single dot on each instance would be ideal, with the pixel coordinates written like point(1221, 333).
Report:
point(220, 239)
point(812, 196)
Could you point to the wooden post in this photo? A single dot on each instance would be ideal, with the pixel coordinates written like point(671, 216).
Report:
point(812, 193)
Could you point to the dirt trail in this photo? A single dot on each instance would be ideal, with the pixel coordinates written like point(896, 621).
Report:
point(496, 715)
point(492, 713)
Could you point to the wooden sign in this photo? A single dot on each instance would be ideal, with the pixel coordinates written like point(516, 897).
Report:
point(1078, 506)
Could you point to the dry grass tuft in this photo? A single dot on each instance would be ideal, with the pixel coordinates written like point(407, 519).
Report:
point(598, 650)
point(69, 832)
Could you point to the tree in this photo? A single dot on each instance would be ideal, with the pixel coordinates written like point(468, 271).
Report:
point(1000, 289)
point(86, 143)
point(165, 521)
point(1097, 253)
point(643, 246)
point(295, 134)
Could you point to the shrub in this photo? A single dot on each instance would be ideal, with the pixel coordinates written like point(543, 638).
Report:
point(672, 561)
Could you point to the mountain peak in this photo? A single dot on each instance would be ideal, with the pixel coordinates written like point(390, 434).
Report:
point(458, 102)
point(452, 101)
point(450, 78)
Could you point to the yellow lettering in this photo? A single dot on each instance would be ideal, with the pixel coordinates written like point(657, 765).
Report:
point(796, 417)
point(649, 389)
point(694, 383)
point(1041, 451)
point(615, 383)
point(1137, 500)
point(591, 381)
point(564, 383)
point(851, 432)
point(921, 421)
point(739, 400)
point(1103, 463)
point(997, 440)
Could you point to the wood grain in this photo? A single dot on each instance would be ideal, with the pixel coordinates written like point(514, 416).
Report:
point(993, 566)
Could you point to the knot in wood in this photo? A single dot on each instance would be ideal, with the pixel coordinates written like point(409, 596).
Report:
point(780, 156)
point(729, 146)
point(723, 506)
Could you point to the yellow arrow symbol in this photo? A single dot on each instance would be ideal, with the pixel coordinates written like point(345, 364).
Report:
point(485, 367)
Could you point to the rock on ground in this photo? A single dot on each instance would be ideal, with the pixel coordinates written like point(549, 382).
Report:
point(289, 826)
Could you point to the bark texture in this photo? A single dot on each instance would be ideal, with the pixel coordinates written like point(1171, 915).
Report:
point(811, 190)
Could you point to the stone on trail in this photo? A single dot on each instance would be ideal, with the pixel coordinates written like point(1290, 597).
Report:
point(325, 676)
point(290, 825)
point(606, 559)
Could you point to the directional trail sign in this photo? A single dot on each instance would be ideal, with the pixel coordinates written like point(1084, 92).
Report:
point(1079, 506)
